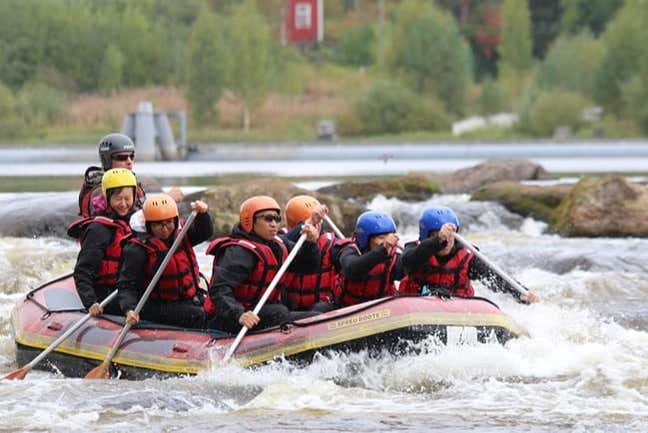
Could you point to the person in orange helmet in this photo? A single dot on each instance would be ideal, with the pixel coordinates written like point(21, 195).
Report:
point(246, 262)
point(174, 300)
point(317, 291)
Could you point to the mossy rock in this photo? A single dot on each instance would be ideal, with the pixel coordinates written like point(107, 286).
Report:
point(406, 188)
point(224, 202)
point(603, 206)
point(534, 201)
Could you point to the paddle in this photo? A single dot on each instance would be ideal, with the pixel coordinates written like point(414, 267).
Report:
point(336, 230)
point(265, 296)
point(22, 372)
point(102, 370)
point(517, 286)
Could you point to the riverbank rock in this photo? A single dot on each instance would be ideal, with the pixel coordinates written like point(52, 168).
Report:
point(603, 206)
point(535, 201)
point(224, 202)
point(38, 215)
point(468, 180)
point(413, 187)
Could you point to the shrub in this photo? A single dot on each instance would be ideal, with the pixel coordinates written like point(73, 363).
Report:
point(555, 109)
point(355, 47)
point(40, 104)
point(390, 107)
point(492, 100)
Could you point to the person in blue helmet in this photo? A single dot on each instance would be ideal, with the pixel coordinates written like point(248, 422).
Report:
point(370, 264)
point(437, 265)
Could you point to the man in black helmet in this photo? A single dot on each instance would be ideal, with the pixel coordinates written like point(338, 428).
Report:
point(115, 151)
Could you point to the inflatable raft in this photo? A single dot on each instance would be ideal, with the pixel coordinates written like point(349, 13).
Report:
point(394, 324)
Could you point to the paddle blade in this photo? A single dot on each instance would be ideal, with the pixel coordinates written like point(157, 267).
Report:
point(102, 371)
point(18, 374)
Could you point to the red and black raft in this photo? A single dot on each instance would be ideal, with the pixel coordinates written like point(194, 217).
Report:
point(393, 324)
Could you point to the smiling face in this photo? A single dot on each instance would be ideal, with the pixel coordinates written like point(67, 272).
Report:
point(266, 224)
point(121, 200)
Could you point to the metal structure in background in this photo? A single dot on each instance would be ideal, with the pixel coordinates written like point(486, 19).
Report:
point(153, 135)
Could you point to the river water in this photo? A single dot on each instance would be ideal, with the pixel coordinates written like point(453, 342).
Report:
point(583, 369)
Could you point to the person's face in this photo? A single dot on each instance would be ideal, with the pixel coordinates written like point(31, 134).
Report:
point(123, 160)
point(163, 229)
point(121, 201)
point(377, 240)
point(266, 224)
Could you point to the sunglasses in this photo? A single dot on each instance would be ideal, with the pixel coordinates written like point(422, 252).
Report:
point(123, 157)
point(163, 224)
point(269, 217)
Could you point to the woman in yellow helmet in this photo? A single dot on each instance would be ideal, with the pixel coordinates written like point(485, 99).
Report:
point(95, 273)
point(175, 299)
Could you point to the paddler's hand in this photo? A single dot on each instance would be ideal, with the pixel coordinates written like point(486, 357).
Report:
point(132, 317)
point(312, 232)
point(317, 215)
point(529, 297)
point(391, 242)
point(248, 319)
point(446, 234)
point(95, 309)
point(199, 206)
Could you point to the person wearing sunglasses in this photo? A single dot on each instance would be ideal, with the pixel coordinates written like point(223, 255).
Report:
point(174, 300)
point(115, 151)
point(95, 272)
point(246, 262)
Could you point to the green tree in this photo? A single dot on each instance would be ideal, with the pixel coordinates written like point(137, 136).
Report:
point(427, 49)
point(112, 70)
point(626, 43)
point(571, 64)
point(251, 66)
point(355, 47)
point(206, 66)
point(592, 15)
point(515, 47)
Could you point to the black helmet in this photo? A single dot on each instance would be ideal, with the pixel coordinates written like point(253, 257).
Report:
point(111, 144)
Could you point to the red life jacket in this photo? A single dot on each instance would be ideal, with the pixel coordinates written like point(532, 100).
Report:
point(180, 277)
point(304, 290)
point(377, 284)
point(249, 293)
point(106, 274)
point(451, 276)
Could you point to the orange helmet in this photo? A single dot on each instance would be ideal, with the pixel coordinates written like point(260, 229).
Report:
point(253, 205)
point(159, 207)
point(299, 209)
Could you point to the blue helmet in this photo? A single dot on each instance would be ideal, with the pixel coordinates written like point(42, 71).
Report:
point(433, 218)
point(372, 223)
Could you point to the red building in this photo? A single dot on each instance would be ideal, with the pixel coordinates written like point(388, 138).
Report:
point(305, 21)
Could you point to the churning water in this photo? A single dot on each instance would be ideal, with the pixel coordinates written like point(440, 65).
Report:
point(583, 369)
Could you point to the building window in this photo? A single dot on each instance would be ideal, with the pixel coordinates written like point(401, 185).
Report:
point(303, 16)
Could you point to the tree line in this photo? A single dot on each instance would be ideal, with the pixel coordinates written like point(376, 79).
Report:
point(545, 60)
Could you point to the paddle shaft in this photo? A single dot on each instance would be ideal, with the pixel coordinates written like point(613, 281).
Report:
point(66, 334)
point(265, 296)
point(517, 286)
point(335, 228)
point(151, 286)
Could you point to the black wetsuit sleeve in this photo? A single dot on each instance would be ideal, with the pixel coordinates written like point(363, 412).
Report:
point(201, 230)
point(95, 240)
point(355, 266)
point(131, 281)
point(416, 255)
point(231, 270)
point(481, 271)
point(294, 233)
point(398, 272)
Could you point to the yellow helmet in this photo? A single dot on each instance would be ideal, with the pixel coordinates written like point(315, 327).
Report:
point(117, 178)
